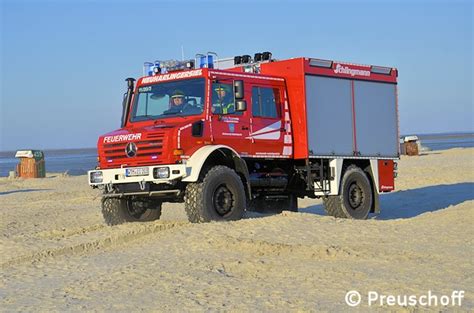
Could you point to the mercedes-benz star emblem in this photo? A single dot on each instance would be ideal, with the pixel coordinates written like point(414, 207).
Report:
point(131, 149)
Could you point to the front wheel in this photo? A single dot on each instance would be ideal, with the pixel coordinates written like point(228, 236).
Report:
point(355, 200)
point(123, 210)
point(219, 197)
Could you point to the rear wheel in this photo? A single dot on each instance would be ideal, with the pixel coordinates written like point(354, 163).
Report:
point(355, 200)
point(219, 197)
point(122, 210)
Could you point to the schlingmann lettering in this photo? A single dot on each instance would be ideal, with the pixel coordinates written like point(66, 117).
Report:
point(350, 71)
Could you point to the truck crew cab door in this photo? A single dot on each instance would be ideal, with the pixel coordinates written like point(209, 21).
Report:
point(267, 127)
point(229, 127)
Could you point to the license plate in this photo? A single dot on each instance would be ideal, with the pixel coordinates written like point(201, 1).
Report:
point(139, 171)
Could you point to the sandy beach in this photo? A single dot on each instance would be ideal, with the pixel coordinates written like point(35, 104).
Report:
point(57, 254)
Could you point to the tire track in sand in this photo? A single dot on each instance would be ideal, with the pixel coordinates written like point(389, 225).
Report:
point(88, 240)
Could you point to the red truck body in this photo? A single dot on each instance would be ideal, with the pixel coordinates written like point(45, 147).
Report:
point(303, 120)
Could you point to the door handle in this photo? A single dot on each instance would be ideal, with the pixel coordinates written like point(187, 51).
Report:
point(245, 128)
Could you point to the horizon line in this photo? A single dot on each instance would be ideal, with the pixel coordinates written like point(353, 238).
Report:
point(401, 135)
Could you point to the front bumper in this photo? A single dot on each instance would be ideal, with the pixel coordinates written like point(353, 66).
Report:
point(115, 176)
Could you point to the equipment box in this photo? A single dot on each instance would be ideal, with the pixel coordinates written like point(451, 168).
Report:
point(341, 109)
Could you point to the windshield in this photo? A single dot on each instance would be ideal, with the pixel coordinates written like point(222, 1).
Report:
point(178, 98)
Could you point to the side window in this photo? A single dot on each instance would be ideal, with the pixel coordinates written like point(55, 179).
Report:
point(223, 99)
point(265, 102)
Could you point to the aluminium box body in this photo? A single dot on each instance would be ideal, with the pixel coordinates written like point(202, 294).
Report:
point(343, 110)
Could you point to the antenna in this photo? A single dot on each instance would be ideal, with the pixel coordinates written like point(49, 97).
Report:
point(182, 53)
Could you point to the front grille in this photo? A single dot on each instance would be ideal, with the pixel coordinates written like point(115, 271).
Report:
point(149, 150)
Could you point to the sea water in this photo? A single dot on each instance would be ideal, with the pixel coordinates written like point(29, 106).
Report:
point(72, 161)
point(446, 141)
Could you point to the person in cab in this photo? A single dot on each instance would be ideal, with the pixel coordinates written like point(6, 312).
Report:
point(179, 105)
point(222, 102)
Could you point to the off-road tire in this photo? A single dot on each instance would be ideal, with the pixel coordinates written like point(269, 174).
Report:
point(332, 206)
point(125, 210)
point(202, 202)
point(355, 199)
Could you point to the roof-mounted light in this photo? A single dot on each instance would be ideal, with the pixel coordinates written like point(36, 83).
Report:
point(148, 68)
point(246, 59)
point(258, 57)
point(210, 61)
point(162, 67)
point(206, 60)
point(320, 63)
point(266, 56)
point(190, 64)
point(237, 60)
point(381, 70)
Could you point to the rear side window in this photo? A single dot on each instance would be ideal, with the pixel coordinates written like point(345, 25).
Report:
point(265, 102)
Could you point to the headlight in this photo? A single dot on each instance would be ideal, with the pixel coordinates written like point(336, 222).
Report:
point(96, 177)
point(161, 172)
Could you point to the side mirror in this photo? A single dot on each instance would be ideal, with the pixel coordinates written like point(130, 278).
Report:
point(238, 89)
point(240, 105)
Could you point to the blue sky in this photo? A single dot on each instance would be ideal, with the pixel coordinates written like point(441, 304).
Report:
point(63, 63)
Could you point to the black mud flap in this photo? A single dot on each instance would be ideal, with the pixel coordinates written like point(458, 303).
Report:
point(376, 201)
point(375, 195)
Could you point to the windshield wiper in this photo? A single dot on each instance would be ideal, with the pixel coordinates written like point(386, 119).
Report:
point(143, 118)
point(174, 113)
point(170, 112)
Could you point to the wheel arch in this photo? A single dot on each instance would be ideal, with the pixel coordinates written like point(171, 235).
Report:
point(209, 156)
point(370, 167)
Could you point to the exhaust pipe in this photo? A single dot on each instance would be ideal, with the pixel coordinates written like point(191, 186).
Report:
point(127, 99)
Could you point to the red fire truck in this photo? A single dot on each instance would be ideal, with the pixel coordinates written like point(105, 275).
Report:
point(250, 133)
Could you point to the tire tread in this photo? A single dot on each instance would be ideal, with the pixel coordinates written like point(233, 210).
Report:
point(194, 195)
point(333, 205)
point(115, 212)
